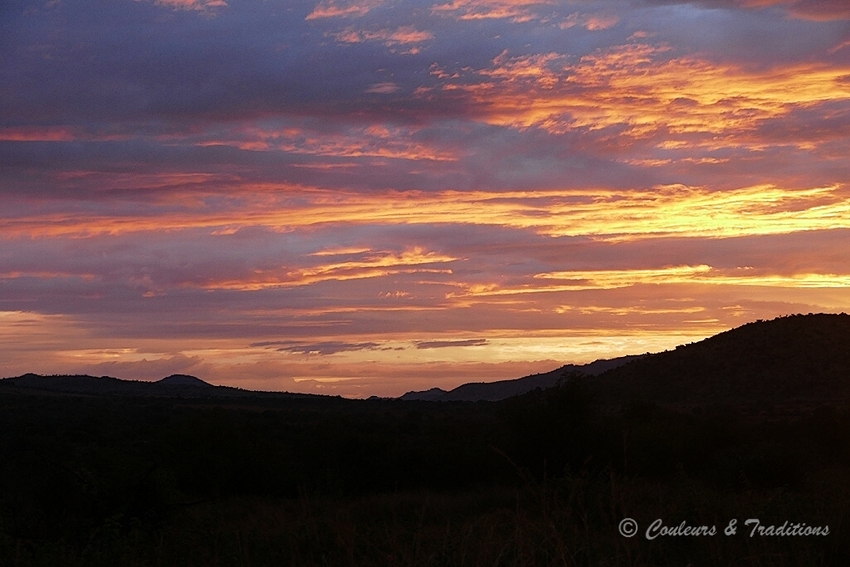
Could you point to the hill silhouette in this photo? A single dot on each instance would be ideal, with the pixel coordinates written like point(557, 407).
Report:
point(797, 359)
point(174, 386)
point(504, 389)
point(184, 380)
point(79, 384)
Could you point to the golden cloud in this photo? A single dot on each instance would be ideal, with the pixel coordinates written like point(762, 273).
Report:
point(616, 279)
point(603, 214)
point(643, 89)
point(362, 266)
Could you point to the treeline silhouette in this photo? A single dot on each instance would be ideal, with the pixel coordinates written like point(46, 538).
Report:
point(539, 479)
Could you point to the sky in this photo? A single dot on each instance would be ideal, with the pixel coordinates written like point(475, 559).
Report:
point(370, 197)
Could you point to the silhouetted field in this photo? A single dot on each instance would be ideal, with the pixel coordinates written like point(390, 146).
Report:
point(539, 479)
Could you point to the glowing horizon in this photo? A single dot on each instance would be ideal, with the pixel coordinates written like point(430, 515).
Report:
point(366, 198)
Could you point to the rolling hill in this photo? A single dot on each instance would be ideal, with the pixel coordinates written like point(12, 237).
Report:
point(174, 386)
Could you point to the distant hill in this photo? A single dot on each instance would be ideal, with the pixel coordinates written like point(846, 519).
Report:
point(174, 386)
point(184, 380)
point(503, 389)
point(793, 360)
point(78, 384)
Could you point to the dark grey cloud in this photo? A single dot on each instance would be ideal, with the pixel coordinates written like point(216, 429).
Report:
point(821, 9)
point(810, 9)
point(723, 30)
point(132, 61)
point(321, 348)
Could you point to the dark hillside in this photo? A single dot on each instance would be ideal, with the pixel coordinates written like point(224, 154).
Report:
point(800, 359)
point(77, 384)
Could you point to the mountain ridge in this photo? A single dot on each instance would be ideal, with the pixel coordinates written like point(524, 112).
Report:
point(503, 389)
point(175, 385)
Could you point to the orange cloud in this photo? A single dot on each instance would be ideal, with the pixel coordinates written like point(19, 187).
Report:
point(613, 279)
point(399, 36)
point(514, 10)
point(362, 266)
point(35, 134)
point(332, 9)
point(641, 88)
point(617, 279)
point(604, 214)
point(392, 142)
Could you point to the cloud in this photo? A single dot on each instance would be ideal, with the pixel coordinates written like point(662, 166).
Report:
point(198, 5)
point(608, 214)
point(517, 11)
point(346, 141)
point(451, 344)
point(333, 9)
point(322, 348)
point(821, 9)
point(400, 36)
point(591, 22)
point(383, 88)
point(806, 9)
point(644, 91)
point(37, 134)
point(377, 265)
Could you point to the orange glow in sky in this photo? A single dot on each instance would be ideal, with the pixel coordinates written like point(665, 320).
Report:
point(362, 198)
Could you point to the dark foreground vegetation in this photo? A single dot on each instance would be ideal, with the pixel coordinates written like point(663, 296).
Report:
point(540, 479)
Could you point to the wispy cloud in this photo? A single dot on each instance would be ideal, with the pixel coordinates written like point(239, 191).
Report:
point(399, 36)
point(451, 344)
point(385, 87)
point(198, 5)
point(591, 22)
point(517, 11)
point(808, 9)
point(351, 9)
point(322, 348)
point(643, 91)
point(616, 215)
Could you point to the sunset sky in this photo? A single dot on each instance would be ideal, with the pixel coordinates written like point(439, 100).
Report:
point(370, 197)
